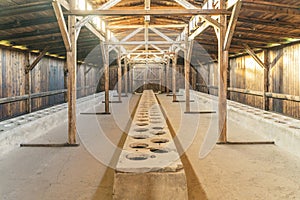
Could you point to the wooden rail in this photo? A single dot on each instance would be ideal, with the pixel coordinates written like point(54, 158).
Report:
point(37, 95)
point(258, 93)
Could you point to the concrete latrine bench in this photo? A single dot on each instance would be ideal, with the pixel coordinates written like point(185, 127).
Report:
point(149, 166)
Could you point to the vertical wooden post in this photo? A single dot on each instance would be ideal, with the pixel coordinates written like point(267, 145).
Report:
point(160, 78)
point(119, 74)
point(125, 77)
point(168, 76)
point(28, 82)
point(130, 78)
point(72, 66)
point(106, 73)
point(266, 105)
point(174, 73)
point(145, 77)
point(85, 81)
point(223, 66)
point(66, 81)
point(187, 71)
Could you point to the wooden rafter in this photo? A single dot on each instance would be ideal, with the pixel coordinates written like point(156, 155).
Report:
point(232, 24)
point(254, 56)
point(62, 24)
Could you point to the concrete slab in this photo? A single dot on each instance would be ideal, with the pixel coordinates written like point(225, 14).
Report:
point(148, 152)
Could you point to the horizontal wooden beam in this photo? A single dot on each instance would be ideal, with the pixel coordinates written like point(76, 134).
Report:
point(143, 43)
point(283, 96)
point(246, 91)
point(150, 12)
point(150, 26)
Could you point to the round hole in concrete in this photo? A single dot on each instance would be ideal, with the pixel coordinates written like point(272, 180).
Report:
point(280, 122)
point(1, 130)
point(159, 132)
point(155, 121)
point(142, 124)
point(155, 118)
point(137, 156)
point(140, 130)
point(157, 128)
point(152, 114)
point(140, 137)
point(9, 125)
point(294, 127)
point(159, 150)
point(160, 140)
point(143, 119)
point(139, 145)
point(268, 117)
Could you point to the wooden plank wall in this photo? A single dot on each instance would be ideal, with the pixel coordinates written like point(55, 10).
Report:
point(48, 75)
point(285, 78)
point(245, 73)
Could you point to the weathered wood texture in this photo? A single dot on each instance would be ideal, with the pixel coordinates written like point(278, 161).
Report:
point(246, 74)
point(48, 75)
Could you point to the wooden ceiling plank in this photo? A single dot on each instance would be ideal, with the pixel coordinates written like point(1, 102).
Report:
point(25, 8)
point(26, 23)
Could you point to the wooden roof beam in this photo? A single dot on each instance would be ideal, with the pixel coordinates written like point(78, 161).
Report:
point(139, 12)
point(62, 24)
point(95, 31)
point(166, 26)
point(105, 6)
point(254, 56)
point(232, 24)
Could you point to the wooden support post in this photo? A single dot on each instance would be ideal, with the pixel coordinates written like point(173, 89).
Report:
point(125, 76)
point(106, 73)
point(160, 78)
point(223, 66)
point(130, 78)
point(187, 71)
point(266, 81)
point(85, 81)
point(174, 73)
point(28, 82)
point(72, 67)
point(119, 75)
point(168, 76)
point(66, 81)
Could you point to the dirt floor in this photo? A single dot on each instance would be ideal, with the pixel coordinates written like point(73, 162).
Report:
point(228, 172)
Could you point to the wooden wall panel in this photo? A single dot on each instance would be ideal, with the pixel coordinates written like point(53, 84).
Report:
point(48, 75)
